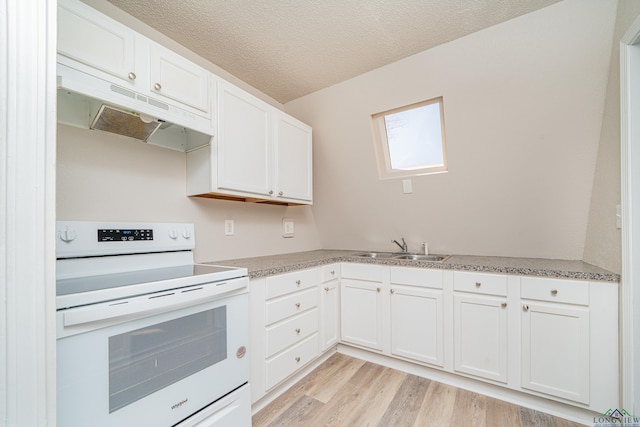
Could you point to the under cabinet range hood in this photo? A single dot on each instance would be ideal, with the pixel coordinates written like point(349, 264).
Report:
point(89, 102)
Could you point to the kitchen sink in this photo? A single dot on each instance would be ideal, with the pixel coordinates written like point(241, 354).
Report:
point(432, 258)
point(377, 255)
point(404, 256)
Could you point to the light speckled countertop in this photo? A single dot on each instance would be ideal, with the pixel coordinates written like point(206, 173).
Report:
point(278, 264)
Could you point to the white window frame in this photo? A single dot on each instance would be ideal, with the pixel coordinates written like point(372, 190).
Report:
point(381, 143)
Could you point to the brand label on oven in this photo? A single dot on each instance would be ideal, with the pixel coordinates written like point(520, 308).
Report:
point(179, 404)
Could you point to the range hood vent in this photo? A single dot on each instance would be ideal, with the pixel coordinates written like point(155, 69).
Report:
point(126, 123)
point(89, 102)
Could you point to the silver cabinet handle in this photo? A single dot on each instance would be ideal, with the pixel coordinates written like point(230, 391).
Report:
point(333, 272)
point(391, 291)
point(525, 307)
point(298, 282)
point(377, 289)
point(297, 358)
point(326, 289)
point(132, 76)
point(271, 192)
point(297, 330)
point(478, 284)
point(280, 193)
point(503, 305)
point(157, 86)
point(297, 305)
point(554, 292)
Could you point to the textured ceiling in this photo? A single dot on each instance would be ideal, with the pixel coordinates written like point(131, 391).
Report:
point(290, 48)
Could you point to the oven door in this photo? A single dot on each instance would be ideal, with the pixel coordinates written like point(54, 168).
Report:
point(155, 370)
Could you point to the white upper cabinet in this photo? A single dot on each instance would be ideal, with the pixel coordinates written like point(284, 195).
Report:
point(293, 158)
point(86, 36)
point(176, 78)
point(260, 154)
point(243, 149)
point(95, 44)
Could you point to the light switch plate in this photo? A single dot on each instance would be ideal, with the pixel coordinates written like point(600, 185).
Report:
point(287, 227)
point(407, 188)
point(229, 227)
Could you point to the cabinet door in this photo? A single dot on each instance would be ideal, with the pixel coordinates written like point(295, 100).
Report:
point(361, 313)
point(91, 38)
point(480, 336)
point(417, 324)
point(555, 350)
point(242, 143)
point(329, 303)
point(293, 168)
point(175, 77)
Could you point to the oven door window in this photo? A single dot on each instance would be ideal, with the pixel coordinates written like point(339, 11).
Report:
point(148, 359)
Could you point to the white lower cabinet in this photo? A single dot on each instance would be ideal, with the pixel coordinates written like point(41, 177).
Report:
point(330, 306)
point(361, 313)
point(569, 339)
point(553, 338)
point(417, 315)
point(480, 336)
point(283, 326)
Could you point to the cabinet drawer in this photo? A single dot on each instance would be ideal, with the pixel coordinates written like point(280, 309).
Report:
point(330, 272)
point(554, 290)
point(480, 283)
point(285, 364)
point(289, 305)
point(292, 282)
point(369, 272)
point(289, 332)
point(416, 277)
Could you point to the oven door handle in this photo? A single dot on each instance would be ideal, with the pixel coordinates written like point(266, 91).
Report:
point(145, 305)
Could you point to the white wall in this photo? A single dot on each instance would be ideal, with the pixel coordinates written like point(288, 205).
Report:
point(523, 105)
point(108, 177)
point(603, 245)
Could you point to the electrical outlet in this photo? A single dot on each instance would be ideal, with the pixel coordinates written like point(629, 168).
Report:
point(287, 227)
point(229, 227)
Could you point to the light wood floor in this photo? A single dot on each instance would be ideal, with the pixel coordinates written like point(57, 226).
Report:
point(345, 391)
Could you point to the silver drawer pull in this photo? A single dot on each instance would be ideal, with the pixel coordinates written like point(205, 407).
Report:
point(297, 330)
point(326, 289)
point(298, 282)
point(132, 76)
point(157, 86)
point(333, 272)
point(525, 307)
point(503, 305)
point(391, 291)
point(478, 284)
point(554, 292)
point(297, 358)
point(377, 289)
point(297, 305)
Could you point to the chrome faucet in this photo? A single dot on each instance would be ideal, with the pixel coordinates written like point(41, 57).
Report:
point(402, 246)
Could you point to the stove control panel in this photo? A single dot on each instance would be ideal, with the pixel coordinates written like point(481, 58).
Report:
point(97, 238)
point(118, 235)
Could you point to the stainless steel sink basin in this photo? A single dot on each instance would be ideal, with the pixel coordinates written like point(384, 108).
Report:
point(432, 258)
point(405, 256)
point(376, 255)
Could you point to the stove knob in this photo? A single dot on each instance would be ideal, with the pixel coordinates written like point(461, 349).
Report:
point(186, 234)
point(173, 233)
point(67, 235)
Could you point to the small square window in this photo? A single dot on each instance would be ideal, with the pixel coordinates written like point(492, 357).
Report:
point(410, 140)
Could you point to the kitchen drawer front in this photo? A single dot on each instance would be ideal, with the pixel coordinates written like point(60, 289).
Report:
point(368, 272)
point(330, 272)
point(281, 308)
point(417, 277)
point(480, 283)
point(287, 363)
point(291, 331)
point(292, 282)
point(554, 290)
